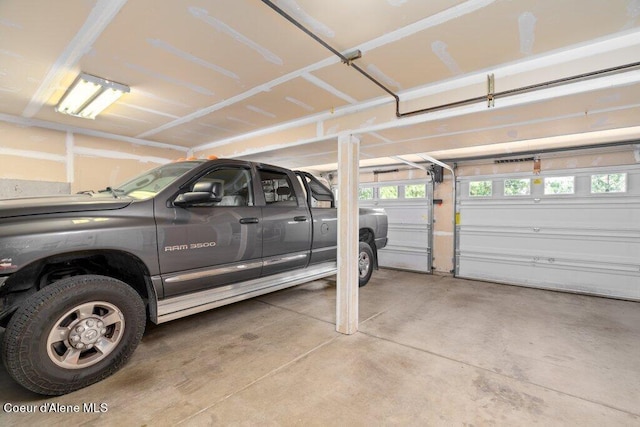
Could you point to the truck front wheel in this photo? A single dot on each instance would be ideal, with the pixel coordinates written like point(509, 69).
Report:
point(365, 263)
point(73, 333)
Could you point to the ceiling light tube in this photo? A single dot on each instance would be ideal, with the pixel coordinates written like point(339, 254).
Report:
point(89, 95)
point(100, 102)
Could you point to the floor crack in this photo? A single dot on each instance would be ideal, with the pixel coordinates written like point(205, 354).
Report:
point(500, 374)
point(257, 380)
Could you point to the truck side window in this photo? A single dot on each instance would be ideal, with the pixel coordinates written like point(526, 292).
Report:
point(321, 196)
point(278, 190)
point(236, 186)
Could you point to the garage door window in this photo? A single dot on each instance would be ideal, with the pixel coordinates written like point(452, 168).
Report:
point(390, 192)
point(559, 185)
point(480, 188)
point(609, 183)
point(517, 187)
point(415, 191)
point(365, 193)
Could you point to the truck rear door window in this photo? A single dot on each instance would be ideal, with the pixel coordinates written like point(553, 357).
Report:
point(321, 195)
point(278, 189)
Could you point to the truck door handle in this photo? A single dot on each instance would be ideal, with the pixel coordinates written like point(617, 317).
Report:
point(299, 218)
point(249, 220)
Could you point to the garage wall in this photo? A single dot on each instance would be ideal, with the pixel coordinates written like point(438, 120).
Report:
point(443, 261)
point(613, 156)
point(32, 154)
point(98, 162)
point(51, 157)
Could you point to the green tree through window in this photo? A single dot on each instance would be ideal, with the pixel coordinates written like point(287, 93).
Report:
point(609, 183)
point(365, 193)
point(480, 188)
point(559, 185)
point(390, 192)
point(517, 187)
point(415, 191)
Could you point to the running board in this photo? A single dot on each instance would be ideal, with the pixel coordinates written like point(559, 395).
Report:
point(186, 305)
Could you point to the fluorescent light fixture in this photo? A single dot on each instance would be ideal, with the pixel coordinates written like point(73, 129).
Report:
point(89, 95)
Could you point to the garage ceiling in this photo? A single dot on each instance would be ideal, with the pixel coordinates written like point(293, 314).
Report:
point(214, 77)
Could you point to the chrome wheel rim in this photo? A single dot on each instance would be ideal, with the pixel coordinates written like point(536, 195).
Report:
point(85, 335)
point(364, 263)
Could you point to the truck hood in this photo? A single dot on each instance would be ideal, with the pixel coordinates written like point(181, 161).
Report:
point(59, 204)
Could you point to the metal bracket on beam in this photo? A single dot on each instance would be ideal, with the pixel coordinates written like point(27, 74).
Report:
point(490, 90)
point(352, 56)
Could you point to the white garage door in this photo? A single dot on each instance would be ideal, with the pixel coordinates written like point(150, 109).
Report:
point(574, 230)
point(409, 207)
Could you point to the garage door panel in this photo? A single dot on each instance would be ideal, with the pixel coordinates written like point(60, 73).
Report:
point(409, 213)
point(404, 259)
point(604, 261)
point(566, 244)
point(623, 212)
point(408, 248)
point(582, 277)
point(580, 242)
point(408, 237)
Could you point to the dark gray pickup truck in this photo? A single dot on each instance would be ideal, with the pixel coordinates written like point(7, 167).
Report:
point(80, 275)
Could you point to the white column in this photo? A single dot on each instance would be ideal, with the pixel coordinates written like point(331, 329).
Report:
point(347, 285)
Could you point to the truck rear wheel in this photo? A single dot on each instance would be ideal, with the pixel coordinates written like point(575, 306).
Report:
point(73, 333)
point(365, 263)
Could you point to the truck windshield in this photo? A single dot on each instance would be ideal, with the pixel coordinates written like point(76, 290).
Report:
point(150, 183)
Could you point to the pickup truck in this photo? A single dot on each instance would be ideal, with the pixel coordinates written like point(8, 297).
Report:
point(80, 275)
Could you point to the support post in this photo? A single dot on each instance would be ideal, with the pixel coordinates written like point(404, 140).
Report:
point(348, 235)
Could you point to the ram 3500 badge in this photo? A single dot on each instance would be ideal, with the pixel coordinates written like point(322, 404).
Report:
point(81, 274)
point(198, 245)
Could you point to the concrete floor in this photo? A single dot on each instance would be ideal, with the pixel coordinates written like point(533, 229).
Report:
point(431, 350)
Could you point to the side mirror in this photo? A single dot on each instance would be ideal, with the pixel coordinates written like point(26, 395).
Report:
point(203, 192)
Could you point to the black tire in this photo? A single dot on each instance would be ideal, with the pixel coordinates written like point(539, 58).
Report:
point(365, 263)
point(73, 333)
